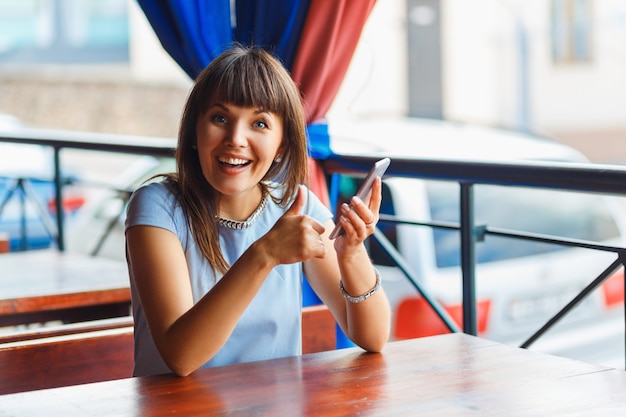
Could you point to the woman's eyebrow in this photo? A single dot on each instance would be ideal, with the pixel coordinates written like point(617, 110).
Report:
point(220, 105)
point(262, 110)
point(226, 108)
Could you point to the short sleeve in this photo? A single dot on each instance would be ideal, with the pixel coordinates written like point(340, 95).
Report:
point(153, 205)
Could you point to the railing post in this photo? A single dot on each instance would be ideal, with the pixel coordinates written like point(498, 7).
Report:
point(622, 259)
point(23, 228)
point(58, 184)
point(468, 259)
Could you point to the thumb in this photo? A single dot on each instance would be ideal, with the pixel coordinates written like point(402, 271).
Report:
point(298, 202)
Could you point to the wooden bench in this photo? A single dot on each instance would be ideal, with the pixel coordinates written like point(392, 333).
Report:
point(71, 359)
point(65, 329)
point(318, 329)
point(102, 350)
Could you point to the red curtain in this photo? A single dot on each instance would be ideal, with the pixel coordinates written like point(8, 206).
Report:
point(329, 38)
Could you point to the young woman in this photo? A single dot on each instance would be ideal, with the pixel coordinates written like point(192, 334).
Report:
point(217, 251)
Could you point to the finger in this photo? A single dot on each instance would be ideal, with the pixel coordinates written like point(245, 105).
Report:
point(350, 219)
point(362, 213)
point(298, 203)
point(318, 227)
point(376, 195)
point(321, 249)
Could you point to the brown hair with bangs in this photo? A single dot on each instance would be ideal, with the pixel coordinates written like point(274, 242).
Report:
point(244, 77)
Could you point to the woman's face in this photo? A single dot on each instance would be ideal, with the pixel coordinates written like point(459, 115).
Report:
point(237, 145)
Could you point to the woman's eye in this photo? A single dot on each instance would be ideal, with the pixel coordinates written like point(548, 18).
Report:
point(260, 124)
point(218, 118)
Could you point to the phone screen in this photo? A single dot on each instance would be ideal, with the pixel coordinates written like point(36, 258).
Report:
point(365, 189)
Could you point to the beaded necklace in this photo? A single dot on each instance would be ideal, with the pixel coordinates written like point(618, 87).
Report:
point(237, 225)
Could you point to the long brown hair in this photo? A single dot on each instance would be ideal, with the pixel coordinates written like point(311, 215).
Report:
point(244, 77)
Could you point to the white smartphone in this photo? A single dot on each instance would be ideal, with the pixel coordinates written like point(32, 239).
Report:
point(365, 189)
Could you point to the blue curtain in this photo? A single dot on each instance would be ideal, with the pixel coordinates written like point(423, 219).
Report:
point(194, 32)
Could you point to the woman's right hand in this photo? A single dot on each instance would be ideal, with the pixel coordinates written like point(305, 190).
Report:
point(295, 237)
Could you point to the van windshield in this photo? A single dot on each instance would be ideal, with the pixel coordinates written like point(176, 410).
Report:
point(547, 212)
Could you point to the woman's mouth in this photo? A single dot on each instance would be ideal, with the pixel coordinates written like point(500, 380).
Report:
point(234, 162)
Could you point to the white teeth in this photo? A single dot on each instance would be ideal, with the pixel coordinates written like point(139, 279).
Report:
point(234, 161)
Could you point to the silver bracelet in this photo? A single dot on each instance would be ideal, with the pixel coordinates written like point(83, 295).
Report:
point(361, 297)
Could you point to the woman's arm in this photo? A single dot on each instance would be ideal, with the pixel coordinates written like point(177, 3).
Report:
point(366, 323)
point(178, 327)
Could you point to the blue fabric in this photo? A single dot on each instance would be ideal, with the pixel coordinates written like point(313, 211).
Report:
point(193, 32)
point(319, 140)
point(275, 25)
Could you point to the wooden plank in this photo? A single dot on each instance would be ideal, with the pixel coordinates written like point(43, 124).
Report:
point(65, 329)
point(40, 273)
point(102, 350)
point(59, 361)
point(318, 329)
point(446, 375)
point(39, 286)
point(64, 301)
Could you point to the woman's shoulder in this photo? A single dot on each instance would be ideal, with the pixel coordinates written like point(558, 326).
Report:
point(159, 188)
point(158, 193)
point(154, 204)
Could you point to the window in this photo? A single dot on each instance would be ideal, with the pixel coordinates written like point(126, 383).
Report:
point(63, 31)
point(571, 31)
point(548, 212)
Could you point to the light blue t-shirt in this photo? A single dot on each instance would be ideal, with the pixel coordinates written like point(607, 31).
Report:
point(271, 325)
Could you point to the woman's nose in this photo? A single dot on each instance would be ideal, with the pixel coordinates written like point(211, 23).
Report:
point(236, 135)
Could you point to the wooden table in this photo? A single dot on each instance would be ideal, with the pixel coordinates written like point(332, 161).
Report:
point(448, 375)
point(46, 285)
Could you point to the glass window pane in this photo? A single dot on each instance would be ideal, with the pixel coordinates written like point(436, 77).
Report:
point(547, 212)
point(63, 31)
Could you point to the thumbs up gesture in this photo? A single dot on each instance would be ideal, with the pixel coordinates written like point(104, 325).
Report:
point(295, 237)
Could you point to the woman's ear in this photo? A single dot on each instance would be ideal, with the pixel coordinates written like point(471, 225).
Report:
point(279, 154)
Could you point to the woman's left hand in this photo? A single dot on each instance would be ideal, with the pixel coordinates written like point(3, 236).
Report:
point(359, 219)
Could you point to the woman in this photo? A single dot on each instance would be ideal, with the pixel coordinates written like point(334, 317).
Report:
point(217, 251)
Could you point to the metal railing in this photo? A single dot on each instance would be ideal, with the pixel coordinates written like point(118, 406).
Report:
point(565, 176)
point(59, 140)
point(593, 178)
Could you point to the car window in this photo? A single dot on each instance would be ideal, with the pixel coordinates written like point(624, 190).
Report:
point(558, 213)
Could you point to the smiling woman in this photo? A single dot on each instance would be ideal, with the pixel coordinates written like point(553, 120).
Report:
point(219, 249)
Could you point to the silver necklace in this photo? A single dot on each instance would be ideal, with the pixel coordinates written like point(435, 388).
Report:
point(237, 225)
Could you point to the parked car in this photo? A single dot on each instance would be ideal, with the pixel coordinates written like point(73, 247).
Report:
point(519, 284)
point(27, 193)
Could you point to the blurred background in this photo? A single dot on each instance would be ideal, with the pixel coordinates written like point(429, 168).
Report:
point(553, 67)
